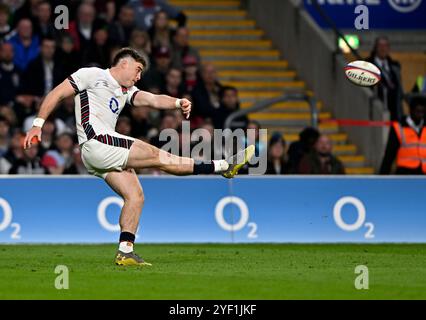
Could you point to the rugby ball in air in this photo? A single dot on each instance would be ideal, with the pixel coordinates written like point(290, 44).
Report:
point(362, 73)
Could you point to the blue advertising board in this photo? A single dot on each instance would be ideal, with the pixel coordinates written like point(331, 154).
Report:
point(213, 209)
point(382, 14)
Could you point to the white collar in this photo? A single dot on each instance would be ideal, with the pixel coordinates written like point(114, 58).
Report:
point(412, 124)
point(118, 92)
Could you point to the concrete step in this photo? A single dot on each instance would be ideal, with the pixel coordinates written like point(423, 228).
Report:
point(350, 161)
point(240, 55)
point(296, 130)
point(265, 85)
point(360, 170)
point(232, 44)
point(336, 138)
point(289, 119)
point(205, 5)
point(259, 116)
point(289, 106)
point(256, 96)
point(216, 14)
point(345, 149)
point(212, 35)
point(221, 24)
point(252, 65)
point(271, 76)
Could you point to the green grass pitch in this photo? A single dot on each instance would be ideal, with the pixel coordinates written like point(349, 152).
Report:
point(216, 271)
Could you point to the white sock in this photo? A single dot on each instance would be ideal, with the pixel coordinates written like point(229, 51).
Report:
point(220, 165)
point(125, 246)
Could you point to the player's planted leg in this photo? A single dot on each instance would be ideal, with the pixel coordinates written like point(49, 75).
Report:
point(127, 185)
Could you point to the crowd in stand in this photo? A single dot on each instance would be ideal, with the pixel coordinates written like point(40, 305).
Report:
point(36, 55)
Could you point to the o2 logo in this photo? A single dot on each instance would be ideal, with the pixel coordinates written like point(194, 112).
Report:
point(114, 105)
point(7, 220)
point(361, 212)
point(244, 216)
point(103, 221)
point(405, 6)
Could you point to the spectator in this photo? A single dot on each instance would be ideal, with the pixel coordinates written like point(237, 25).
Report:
point(169, 121)
point(120, 31)
point(28, 10)
point(99, 50)
point(43, 73)
point(61, 158)
point(206, 93)
point(253, 137)
point(4, 135)
point(8, 113)
point(44, 26)
point(83, 27)
point(307, 139)
point(389, 89)
point(203, 138)
point(277, 163)
point(229, 103)
point(10, 75)
point(182, 48)
point(173, 86)
point(106, 10)
point(146, 9)
point(25, 44)
point(5, 28)
point(13, 154)
point(406, 142)
point(321, 160)
point(65, 112)
point(69, 58)
point(155, 78)
point(140, 121)
point(140, 41)
point(160, 33)
point(51, 129)
point(190, 75)
point(29, 163)
point(77, 166)
point(25, 106)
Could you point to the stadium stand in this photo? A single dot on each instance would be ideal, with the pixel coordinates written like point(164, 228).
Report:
point(247, 60)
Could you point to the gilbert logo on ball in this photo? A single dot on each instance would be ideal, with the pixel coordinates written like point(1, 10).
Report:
point(362, 73)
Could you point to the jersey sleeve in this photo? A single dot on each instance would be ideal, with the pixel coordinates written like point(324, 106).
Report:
point(131, 95)
point(83, 78)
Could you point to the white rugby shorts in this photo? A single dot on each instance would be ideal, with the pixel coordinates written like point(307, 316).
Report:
point(105, 153)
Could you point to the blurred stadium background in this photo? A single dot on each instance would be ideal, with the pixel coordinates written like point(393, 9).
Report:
point(270, 64)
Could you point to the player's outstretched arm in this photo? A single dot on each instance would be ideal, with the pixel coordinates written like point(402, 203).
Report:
point(147, 99)
point(49, 103)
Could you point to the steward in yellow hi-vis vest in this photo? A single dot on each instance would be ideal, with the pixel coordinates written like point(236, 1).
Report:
point(407, 142)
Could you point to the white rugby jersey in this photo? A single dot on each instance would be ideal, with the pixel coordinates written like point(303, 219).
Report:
point(98, 102)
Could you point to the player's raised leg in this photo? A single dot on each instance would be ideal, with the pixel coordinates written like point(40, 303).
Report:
point(127, 185)
point(143, 155)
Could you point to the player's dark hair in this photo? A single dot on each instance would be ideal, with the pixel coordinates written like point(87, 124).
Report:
point(132, 53)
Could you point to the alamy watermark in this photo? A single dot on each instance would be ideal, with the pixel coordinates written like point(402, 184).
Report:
point(362, 280)
point(62, 19)
point(62, 280)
